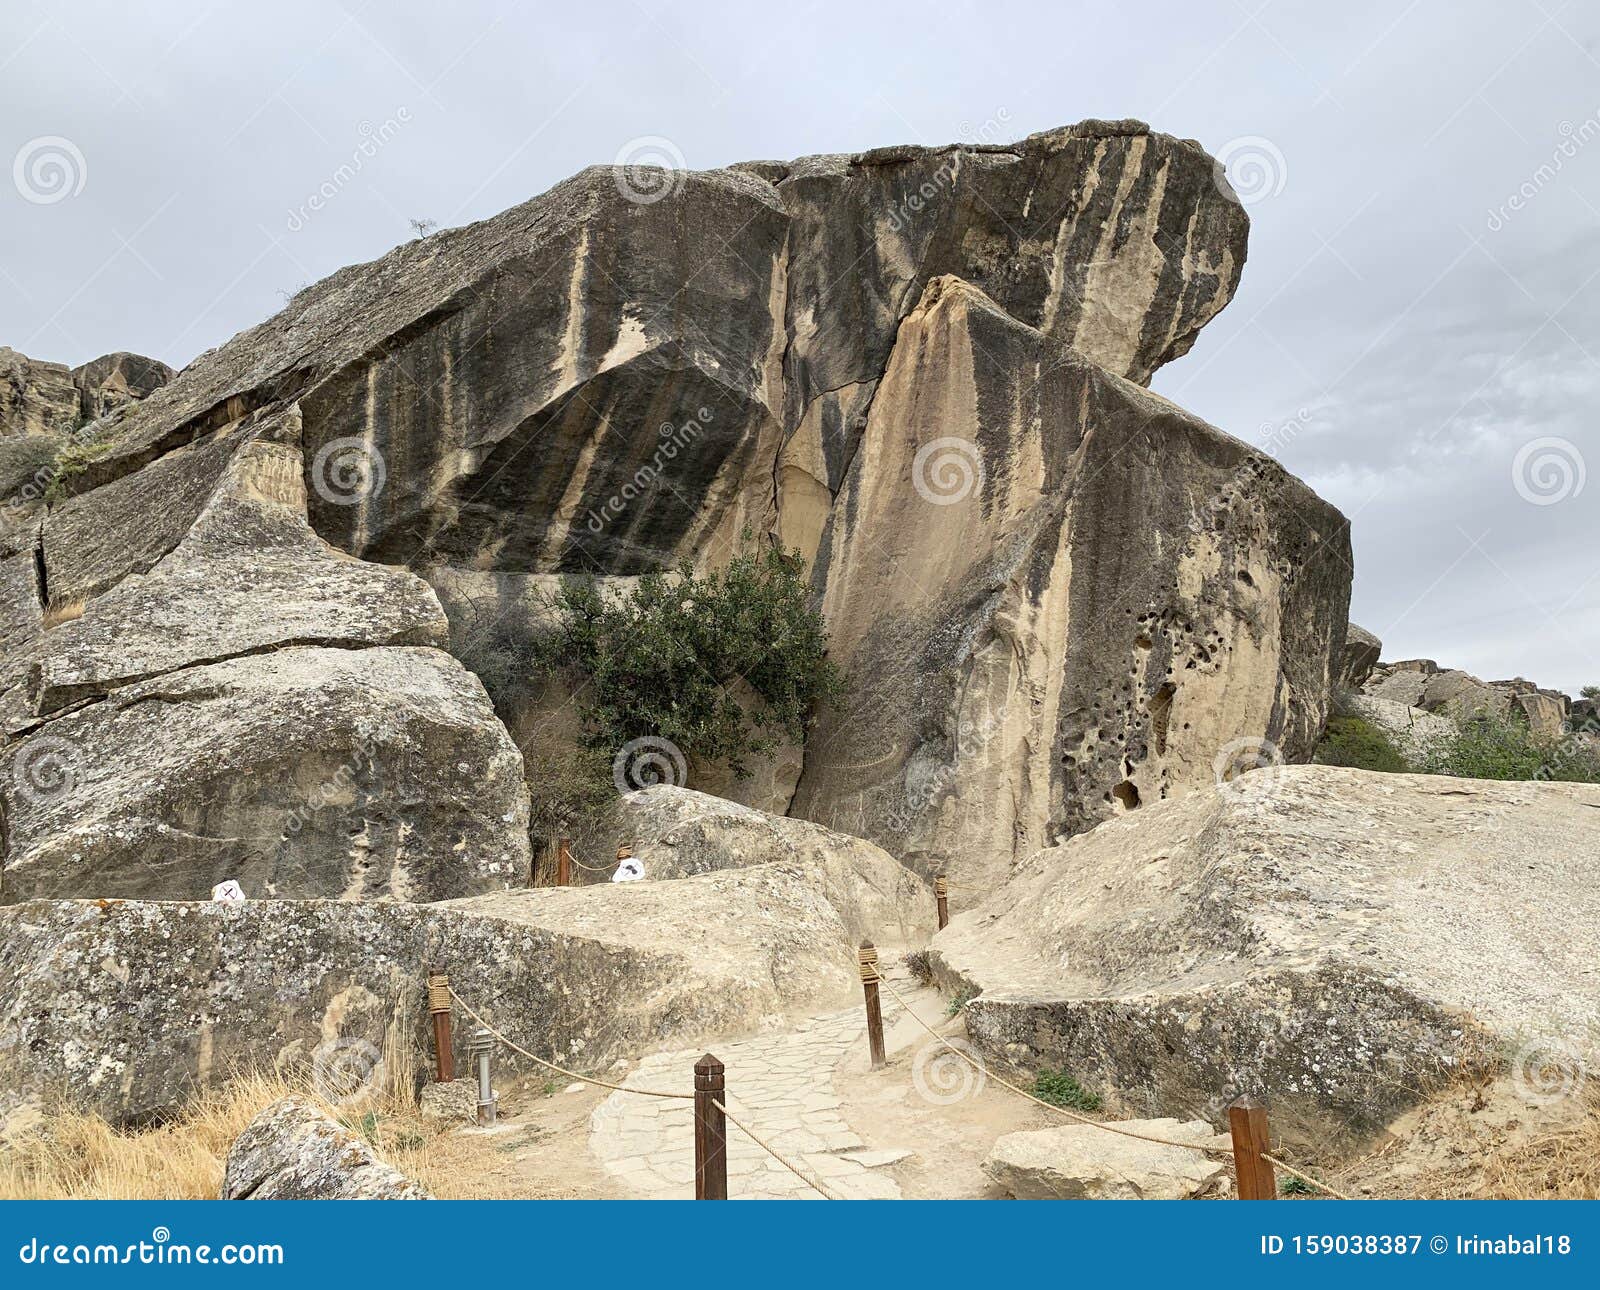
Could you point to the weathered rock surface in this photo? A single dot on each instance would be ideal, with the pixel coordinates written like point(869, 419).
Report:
point(1361, 653)
point(293, 1150)
point(677, 833)
point(1333, 939)
point(1080, 1162)
point(600, 382)
point(1415, 733)
point(133, 1005)
point(354, 773)
point(1059, 596)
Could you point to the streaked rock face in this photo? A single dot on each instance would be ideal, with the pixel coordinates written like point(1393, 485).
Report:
point(595, 383)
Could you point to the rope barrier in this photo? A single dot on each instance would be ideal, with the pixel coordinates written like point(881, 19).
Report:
point(1099, 1124)
point(589, 868)
point(787, 1164)
point(1305, 1178)
point(587, 1079)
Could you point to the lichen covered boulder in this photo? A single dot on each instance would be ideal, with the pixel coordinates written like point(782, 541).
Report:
point(293, 1150)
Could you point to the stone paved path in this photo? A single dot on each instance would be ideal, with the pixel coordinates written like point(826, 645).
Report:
point(782, 1086)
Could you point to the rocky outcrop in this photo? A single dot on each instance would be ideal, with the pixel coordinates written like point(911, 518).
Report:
point(1421, 683)
point(1335, 940)
point(308, 771)
point(1417, 735)
point(38, 398)
point(1082, 1162)
point(601, 382)
point(133, 1005)
point(1361, 653)
point(293, 1150)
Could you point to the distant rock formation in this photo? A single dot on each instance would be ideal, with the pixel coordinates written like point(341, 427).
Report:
point(38, 398)
point(1421, 683)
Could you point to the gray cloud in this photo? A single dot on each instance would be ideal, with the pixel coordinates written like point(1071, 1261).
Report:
point(1421, 281)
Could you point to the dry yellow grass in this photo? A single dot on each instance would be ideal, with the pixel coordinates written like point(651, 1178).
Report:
point(1564, 1165)
point(77, 1156)
point(55, 615)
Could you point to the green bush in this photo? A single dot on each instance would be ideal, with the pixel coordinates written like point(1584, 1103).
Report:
point(1352, 741)
point(664, 661)
point(1060, 1089)
point(1495, 748)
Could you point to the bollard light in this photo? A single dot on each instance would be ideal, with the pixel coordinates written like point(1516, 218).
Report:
point(481, 1046)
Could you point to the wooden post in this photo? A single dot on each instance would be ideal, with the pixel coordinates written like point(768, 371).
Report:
point(941, 893)
point(869, 987)
point(1247, 1118)
point(564, 862)
point(439, 1007)
point(710, 1131)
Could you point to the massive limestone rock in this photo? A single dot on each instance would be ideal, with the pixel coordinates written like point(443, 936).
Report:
point(309, 771)
point(294, 1150)
point(601, 382)
point(1335, 940)
point(133, 1005)
point(1059, 596)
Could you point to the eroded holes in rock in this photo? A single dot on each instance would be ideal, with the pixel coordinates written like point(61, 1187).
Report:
point(1142, 641)
point(1126, 795)
point(1244, 577)
point(1161, 714)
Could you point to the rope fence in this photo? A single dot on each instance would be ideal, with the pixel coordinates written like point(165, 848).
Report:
point(1253, 1161)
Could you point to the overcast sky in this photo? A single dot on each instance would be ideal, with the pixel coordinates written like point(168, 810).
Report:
point(1416, 333)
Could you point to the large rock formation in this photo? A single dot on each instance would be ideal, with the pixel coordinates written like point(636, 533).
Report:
point(1362, 651)
point(1336, 940)
point(132, 1005)
point(600, 382)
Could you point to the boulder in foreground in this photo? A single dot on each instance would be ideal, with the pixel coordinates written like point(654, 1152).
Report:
point(1081, 1162)
point(1336, 941)
point(294, 1151)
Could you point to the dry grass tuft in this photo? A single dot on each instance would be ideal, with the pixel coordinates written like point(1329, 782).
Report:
point(65, 612)
point(1563, 1165)
point(71, 1155)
